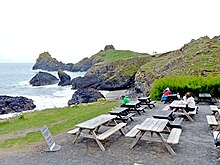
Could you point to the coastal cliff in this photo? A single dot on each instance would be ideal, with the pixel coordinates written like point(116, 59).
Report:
point(112, 69)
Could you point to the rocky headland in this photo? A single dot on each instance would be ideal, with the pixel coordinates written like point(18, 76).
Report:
point(112, 69)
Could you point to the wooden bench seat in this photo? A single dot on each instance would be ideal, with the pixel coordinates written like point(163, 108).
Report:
point(152, 103)
point(128, 116)
point(142, 108)
point(133, 132)
point(193, 112)
point(176, 123)
point(211, 120)
point(166, 108)
point(112, 130)
point(73, 131)
point(174, 136)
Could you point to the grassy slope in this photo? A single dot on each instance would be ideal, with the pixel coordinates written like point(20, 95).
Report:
point(58, 120)
point(192, 58)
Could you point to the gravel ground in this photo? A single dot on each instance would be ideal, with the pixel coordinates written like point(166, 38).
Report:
point(196, 147)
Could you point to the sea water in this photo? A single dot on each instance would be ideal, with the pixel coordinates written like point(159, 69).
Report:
point(14, 81)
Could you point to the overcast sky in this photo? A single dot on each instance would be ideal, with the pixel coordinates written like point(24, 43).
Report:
point(73, 29)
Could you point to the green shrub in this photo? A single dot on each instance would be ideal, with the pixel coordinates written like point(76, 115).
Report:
point(183, 84)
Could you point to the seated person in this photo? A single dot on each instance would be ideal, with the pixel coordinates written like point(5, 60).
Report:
point(166, 92)
point(125, 100)
point(190, 102)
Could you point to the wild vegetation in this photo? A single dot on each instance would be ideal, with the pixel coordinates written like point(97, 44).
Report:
point(183, 84)
point(57, 119)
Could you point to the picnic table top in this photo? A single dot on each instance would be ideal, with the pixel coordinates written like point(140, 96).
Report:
point(172, 95)
point(152, 124)
point(95, 122)
point(206, 95)
point(133, 103)
point(178, 104)
point(163, 114)
point(118, 110)
point(144, 98)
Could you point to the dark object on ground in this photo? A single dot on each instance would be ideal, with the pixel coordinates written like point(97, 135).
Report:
point(43, 78)
point(85, 95)
point(10, 104)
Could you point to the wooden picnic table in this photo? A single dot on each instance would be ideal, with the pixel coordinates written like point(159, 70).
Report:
point(179, 106)
point(156, 126)
point(92, 126)
point(170, 98)
point(214, 108)
point(146, 101)
point(122, 113)
point(206, 97)
point(163, 114)
point(133, 105)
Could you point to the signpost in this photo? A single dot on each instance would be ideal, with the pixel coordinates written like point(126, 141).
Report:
point(52, 146)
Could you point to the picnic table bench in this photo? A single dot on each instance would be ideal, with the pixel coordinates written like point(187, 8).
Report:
point(170, 98)
point(156, 126)
point(93, 125)
point(214, 108)
point(122, 114)
point(135, 107)
point(179, 108)
point(147, 101)
point(206, 97)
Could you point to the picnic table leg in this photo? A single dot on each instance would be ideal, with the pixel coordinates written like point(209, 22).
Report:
point(77, 135)
point(97, 141)
point(138, 137)
point(187, 115)
point(166, 144)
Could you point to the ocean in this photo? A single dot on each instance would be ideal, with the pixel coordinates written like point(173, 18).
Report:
point(15, 79)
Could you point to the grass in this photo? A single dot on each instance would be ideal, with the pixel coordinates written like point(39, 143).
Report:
point(58, 120)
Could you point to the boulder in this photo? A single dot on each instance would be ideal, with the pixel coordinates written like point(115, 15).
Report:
point(43, 78)
point(64, 78)
point(9, 104)
point(85, 95)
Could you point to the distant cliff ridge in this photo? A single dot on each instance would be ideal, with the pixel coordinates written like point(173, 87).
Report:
point(112, 69)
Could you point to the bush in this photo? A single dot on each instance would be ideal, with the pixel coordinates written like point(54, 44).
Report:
point(183, 84)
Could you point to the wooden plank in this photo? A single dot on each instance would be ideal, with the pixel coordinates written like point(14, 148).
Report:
point(215, 134)
point(95, 122)
point(166, 108)
point(160, 125)
point(211, 120)
point(111, 131)
point(133, 132)
point(73, 131)
point(174, 136)
point(192, 112)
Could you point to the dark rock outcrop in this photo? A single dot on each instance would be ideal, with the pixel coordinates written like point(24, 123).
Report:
point(43, 78)
point(108, 47)
point(65, 79)
point(46, 62)
point(92, 81)
point(10, 104)
point(85, 95)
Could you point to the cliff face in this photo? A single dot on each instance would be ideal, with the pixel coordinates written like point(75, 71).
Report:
point(116, 71)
